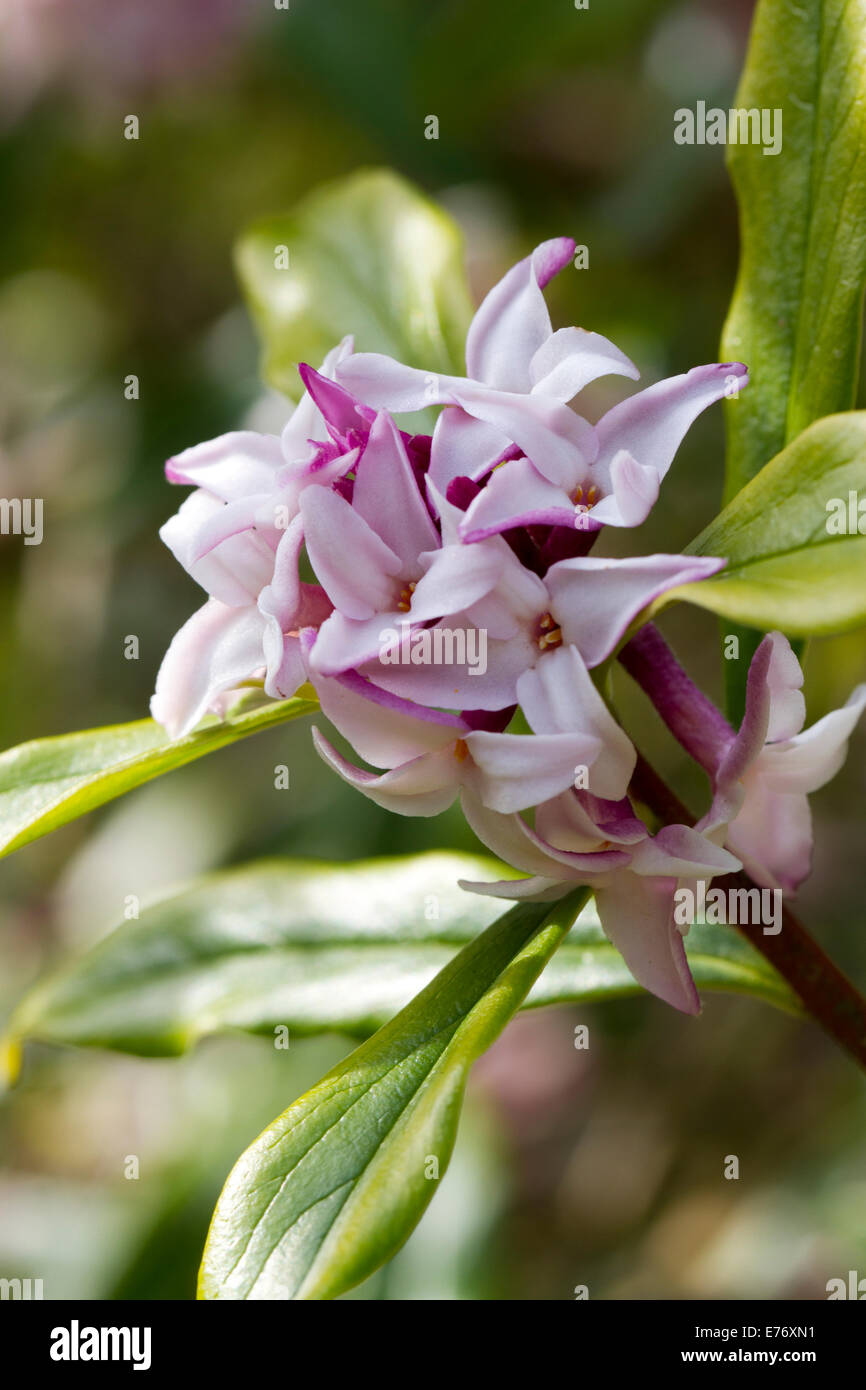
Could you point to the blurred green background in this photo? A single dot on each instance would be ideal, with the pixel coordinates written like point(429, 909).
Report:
point(602, 1167)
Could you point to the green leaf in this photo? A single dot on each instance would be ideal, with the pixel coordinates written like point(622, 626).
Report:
point(785, 570)
point(795, 318)
point(588, 968)
point(317, 947)
point(796, 314)
point(334, 1186)
point(50, 781)
point(370, 256)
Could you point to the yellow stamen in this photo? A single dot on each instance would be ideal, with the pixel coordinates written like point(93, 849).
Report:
point(404, 602)
point(548, 635)
point(461, 750)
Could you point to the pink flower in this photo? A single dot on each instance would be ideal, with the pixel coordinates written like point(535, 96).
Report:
point(764, 776)
point(508, 419)
point(582, 602)
point(239, 535)
point(520, 374)
point(431, 756)
point(581, 838)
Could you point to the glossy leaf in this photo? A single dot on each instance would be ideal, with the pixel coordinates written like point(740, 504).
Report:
point(46, 783)
point(315, 947)
point(333, 1187)
point(368, 256)
point(787, 568)
point(796, 313)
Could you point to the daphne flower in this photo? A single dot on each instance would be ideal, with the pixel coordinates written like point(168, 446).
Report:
point(509, 419)
point(637, 441)
point(574, 838)
point(520, 375)
point(764, 776)
point(430, 756)
point(583, 602)
point(380, 557)
point(239, 535)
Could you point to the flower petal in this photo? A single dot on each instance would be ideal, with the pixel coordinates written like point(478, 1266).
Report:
point(286, 669)
point(812, 758)
point(339, 409)
point(513, 322)
point(457, 576)
point(233, 571)
point(533, 889)
point(306, 423)
point(386, 495)
point(516, 494)
point(774, 701)
point(463, 447)
point(580, 823)
point(424, 786)
point(679, 851)
point(633, 492)
point(457, 666)
point(551, 435)
point(515, 771)
point(571, 358)
point(356, 569)
point(216, 650)
point(651, 424)
point(386, 384)
point(384, 730)
point(512, 840)
point(594, 600)
point(772, 834)
point(281, 598)
point(638, 917)
point(233, 466)
point(558, 697)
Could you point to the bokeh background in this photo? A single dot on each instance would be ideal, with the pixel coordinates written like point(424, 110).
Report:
point(601, 1167)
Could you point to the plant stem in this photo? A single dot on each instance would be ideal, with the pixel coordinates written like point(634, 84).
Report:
point(689, 714)
point(826, 994)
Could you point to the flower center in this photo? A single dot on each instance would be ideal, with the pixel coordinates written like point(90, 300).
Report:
point(404, 599)
point(583, 502)
point(549, 635)
point(461, 750)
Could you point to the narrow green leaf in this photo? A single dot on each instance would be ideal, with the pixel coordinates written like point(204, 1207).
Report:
point(368, 255)
point(335, 1186)
point(318, 947)
point(50, 781)
point(785, 568)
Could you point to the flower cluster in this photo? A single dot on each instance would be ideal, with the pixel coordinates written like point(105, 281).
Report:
point(452, 615)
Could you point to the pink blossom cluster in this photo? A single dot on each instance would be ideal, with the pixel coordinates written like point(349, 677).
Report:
point(439, 594)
